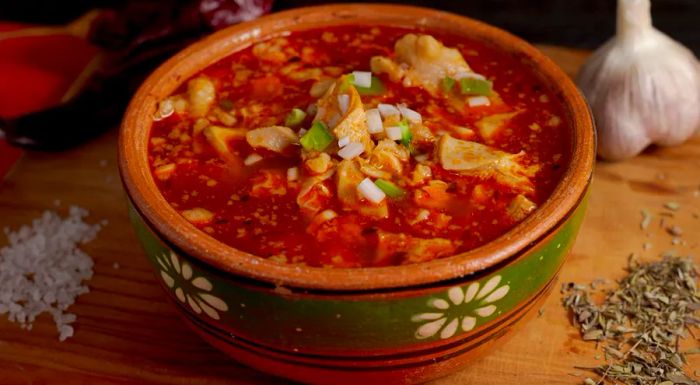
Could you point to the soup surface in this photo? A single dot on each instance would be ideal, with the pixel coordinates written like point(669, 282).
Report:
point(359, 146)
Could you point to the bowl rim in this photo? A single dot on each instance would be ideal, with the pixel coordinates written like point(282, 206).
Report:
point(147, 199)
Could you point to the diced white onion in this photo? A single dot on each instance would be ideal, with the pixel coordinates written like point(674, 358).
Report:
point(362, 78)
point(321, 87)
point(302, 132)
point(394, 133)
point(311, 109)
point(292, 174)
point(252, 159)
point(342, 142)
point(423, 214)
point(374, 121)
point(478, 101)
point(343, 103)
point(165, 109)
point(421, 157)
point(388, 110)
point(333, 121)
point(327, 215)
point(409, 114)
point(469, 75)
point(351, 150)
point(320, 113)
point(370, 191)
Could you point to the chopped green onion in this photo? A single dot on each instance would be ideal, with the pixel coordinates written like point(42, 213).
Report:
point(376, 88)
point(473, 86)
point(346, 82)
point(226, 104)
point(406, 135)
point(317, 138)
point(294, 118)
point(390, 189)
point(448, 84)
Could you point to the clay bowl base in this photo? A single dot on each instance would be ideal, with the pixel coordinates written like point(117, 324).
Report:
point(470, 351)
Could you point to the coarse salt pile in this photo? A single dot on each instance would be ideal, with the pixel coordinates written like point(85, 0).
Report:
point(42, 269)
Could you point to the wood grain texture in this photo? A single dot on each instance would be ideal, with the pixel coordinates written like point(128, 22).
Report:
point(126, 332)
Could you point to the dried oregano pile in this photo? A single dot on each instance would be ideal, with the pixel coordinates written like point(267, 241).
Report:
point(641, 321)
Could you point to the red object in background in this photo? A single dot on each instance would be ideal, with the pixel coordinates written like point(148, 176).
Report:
point(35, 73)
point(132, 37)
point(62, 85)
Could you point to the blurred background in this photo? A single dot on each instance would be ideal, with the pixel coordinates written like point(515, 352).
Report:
point(580, 23)
point(65, 59)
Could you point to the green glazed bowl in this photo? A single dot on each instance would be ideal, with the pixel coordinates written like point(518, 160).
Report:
point(389, 325)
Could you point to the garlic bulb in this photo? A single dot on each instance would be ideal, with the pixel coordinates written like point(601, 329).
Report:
point(643, 87)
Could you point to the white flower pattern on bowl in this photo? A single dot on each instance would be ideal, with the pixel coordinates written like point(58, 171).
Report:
point(479, 301)
point(189, 289)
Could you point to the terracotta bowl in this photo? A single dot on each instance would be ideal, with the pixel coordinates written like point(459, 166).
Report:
point(402, 324)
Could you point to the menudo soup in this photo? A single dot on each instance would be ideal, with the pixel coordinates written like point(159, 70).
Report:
point(359, 146)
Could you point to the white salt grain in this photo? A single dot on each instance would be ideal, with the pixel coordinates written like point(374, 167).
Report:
point(42, 269)
point(66, 332)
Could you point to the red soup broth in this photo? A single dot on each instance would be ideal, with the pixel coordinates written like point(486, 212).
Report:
point(253, 206)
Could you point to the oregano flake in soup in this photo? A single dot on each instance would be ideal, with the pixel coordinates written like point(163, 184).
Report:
point(359, 146)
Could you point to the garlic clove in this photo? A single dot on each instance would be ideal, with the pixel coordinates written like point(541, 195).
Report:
point(627, 140)
point(643, 87)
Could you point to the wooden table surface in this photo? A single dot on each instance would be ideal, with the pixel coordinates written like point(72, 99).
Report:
point(126, 332)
